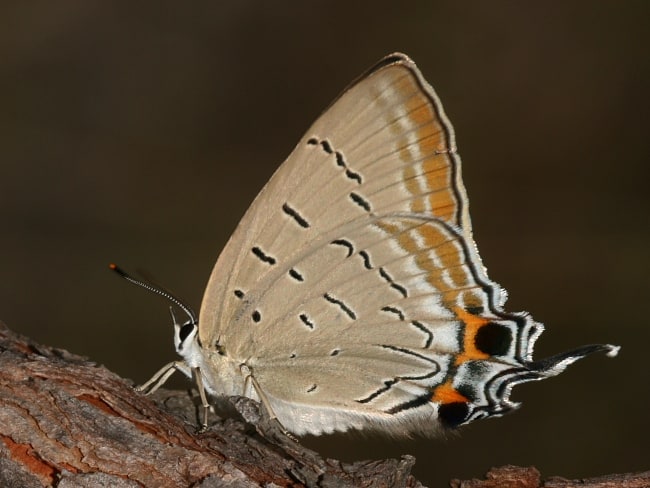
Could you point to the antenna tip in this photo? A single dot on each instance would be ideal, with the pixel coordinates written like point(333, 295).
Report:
point(117, 269)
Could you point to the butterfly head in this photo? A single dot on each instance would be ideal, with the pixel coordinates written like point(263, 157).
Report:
point(184, 333)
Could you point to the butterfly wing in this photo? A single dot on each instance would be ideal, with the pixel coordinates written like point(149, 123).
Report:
point(352, 289)
point(351, 157)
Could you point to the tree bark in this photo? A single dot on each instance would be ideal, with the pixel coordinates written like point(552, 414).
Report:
point(517, 477)
point(67, 422)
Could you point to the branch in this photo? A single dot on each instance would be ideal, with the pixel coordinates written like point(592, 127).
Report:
point(516, 477)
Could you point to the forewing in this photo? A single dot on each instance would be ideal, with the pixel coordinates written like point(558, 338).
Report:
point(384, 148)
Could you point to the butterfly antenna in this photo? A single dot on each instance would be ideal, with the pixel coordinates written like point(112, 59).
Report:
point(157, 290)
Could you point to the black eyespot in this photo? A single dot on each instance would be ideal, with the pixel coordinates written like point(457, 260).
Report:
point(453, 414)
point(493, 339)
point(185, 331)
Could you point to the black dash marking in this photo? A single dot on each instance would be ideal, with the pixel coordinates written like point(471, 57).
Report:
point(340, 160)
point(239, 294)
point(430, 374)
point(335, 352)
point(295, 275)
point(344, 243)
point(403, 350)
point(360, 201)
point(264, 257)
point(342, 305)
point(384, 274)
point(295, 215)
point(387, 386)
point(414, 403)
point(311, 388)
point(352, 175)
point(394, 310)
point(306, 321)
point(421, 326)
point(256, 316)
point(400, 289)
point(366, 259)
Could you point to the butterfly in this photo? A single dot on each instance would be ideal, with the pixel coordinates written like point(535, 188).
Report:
point(351, 295)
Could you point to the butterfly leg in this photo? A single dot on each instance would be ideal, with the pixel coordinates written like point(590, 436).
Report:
point(250, 379)
point(266, 404)
point(161, 377)
point(198, 378)
point(268, 425)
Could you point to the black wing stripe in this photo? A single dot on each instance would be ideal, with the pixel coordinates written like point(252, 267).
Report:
point(293, 213)
point(350, 313)
point(263, 256)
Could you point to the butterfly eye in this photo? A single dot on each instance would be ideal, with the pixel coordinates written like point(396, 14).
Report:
point(185, 331)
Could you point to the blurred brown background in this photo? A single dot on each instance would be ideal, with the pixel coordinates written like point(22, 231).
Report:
point(140, 132)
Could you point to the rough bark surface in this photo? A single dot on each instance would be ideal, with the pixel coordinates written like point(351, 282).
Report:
point(67, 422)
point(517, 477)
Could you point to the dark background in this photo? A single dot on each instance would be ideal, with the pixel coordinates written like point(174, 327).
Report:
point(140, 132)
